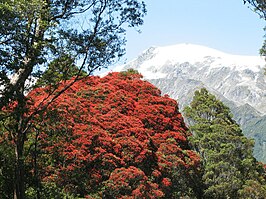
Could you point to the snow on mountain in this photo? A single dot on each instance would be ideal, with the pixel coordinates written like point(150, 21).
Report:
point(238, 78)
point(238, 81)
point(195, 53)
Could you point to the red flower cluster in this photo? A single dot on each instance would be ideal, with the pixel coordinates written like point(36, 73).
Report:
point(115, 137)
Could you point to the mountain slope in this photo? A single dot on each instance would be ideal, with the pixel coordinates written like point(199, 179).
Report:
point(238, 81)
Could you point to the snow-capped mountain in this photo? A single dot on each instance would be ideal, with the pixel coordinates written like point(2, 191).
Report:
point(239, 81)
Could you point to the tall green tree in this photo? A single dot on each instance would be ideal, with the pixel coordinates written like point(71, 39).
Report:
point(7, 160)
point(36, 33)
point(229, 169)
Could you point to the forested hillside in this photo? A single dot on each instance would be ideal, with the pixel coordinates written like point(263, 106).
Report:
point(117, 137)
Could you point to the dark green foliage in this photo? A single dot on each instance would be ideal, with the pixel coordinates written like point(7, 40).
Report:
point(7, 160)
point(129, 72)
point(228, 166)
point(49, 191)
point(61, 69)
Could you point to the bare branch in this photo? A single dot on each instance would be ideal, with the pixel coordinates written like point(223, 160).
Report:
point(64, 14)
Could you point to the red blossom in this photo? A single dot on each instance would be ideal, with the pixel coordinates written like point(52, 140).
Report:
point(116, 131)
point(166, 182)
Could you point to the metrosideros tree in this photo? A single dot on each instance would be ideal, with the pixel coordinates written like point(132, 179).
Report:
point(115, 137)
point(229, 169)
point(35, 33)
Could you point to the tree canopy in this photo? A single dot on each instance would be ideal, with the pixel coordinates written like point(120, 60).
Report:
point(229, 169)
point(111, 137)
point(57, 34)
point(37, 32)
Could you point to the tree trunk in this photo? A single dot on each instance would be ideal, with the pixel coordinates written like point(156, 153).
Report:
point(19, 189)
point(36, 170)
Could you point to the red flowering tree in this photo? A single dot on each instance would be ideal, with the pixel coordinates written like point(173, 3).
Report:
point(115, 137)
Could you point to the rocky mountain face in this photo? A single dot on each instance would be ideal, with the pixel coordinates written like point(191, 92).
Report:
point(238, 81)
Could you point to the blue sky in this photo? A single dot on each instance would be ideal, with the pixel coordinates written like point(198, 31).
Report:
point(226, 25)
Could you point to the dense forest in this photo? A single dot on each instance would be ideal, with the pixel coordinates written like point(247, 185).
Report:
point(67, 134)
point(111, 137)
point(117, 137)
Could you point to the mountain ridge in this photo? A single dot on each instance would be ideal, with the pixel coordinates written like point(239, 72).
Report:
point(156, 62)
point(237, 80)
